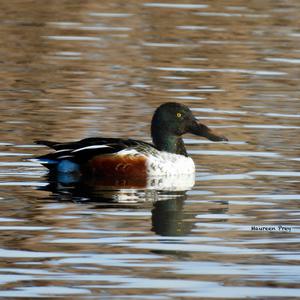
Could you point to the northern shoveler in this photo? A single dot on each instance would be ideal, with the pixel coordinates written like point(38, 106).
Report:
point(127, 157)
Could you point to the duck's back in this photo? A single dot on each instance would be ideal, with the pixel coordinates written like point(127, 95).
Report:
point(114, 157)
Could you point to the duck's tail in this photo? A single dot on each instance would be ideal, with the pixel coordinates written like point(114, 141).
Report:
point(46, 143)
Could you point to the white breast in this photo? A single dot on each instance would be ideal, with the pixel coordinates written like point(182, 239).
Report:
point(178, 182)
point(169, 164)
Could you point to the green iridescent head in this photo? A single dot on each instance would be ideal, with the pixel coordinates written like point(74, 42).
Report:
point(170, 121)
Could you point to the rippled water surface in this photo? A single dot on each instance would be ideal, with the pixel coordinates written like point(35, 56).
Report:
point(75, 69)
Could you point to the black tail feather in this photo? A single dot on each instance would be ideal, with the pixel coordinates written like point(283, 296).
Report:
point(47, 143)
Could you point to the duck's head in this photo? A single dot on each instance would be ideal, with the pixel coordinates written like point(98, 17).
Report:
point(170, 121)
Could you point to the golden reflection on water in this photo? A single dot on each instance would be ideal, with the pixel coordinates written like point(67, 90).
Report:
point(71, 70)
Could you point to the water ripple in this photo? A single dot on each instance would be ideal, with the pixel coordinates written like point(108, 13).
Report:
point(238, 71)
point(175, 5)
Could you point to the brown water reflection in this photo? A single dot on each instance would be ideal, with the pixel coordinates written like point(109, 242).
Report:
point(74, 69)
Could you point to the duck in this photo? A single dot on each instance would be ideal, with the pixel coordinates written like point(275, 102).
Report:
point(123, 158)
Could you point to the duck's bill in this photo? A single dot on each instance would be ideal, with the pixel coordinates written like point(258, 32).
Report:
point(202, 130)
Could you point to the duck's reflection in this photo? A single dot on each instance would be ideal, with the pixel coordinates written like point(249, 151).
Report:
point(168, 218)
point(166, 196)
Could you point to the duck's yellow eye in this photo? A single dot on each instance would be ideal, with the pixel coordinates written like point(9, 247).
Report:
point(178, 115)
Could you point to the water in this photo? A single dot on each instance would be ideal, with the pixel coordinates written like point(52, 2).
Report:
point(76, 69)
